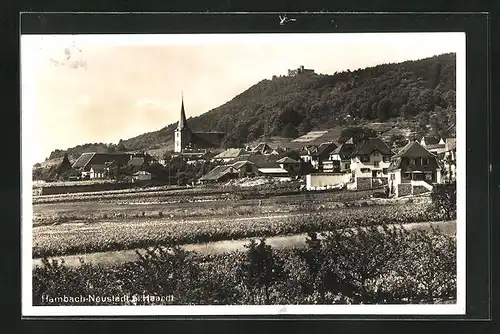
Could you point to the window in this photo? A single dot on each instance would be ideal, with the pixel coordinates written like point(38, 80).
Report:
point(376, 163)
point(418, 161)
point(365, 170)
point(412, 162)
point(364, 158)
point(428, 176)
point(385, 159)
point(347, 165)
point(177, 134)
point(425, 161)
point(384, 170)
point(393, 176)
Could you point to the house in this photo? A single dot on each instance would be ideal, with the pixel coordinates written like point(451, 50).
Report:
point(262, 148)
point(323, 154)
point(245, 168)
point(97, 172)
point(433, 144)
point(86, 160)
point(371, 158)
point(289, 164)
point(142, 176)
point(308, 154)
point(431, 140)
point(229, 155)
point(220, 174)
point(340, 159)
point(413, 167)
point(449, 158)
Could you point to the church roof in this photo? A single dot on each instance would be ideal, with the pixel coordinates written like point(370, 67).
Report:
point(182, 121)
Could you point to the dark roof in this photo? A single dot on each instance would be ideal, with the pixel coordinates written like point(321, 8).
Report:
point(88, 159)
point(370, 145)
point(325, 149)
point(344, 150)
point(414, 150)
point(207, 139)
point(182, 121)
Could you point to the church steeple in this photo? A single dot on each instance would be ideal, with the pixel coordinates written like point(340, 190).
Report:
point(182, 121)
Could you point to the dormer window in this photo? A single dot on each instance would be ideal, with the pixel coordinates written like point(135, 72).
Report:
point(364, 158)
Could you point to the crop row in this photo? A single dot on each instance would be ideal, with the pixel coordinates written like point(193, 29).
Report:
point(65, 240)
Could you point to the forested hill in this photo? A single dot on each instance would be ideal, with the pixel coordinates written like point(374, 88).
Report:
point(290, 106)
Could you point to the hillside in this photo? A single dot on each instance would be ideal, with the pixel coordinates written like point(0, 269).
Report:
point(415, 93)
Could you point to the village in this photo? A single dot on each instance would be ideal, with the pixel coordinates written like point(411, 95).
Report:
point(320, 162)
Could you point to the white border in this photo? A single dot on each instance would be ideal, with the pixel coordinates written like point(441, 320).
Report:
point(28, 128)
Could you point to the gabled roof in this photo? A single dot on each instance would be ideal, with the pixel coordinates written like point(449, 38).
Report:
point(287, 160)
point(97, 168)
point(325, 149)
point(370, 145)
point(231, 153)
point(83, 160)
point(344, 150)
point(93, 158)
point(239, 164)
point(218, 172)
point(262, 148)
point(414, 150)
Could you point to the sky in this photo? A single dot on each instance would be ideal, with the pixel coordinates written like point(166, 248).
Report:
point(79, 89)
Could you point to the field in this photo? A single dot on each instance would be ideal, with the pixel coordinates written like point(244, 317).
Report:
point(110, 229)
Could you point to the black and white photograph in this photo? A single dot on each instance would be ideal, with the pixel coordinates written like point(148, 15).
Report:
point(212, 174)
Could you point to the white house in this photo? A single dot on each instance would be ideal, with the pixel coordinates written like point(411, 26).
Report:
point(371, 158)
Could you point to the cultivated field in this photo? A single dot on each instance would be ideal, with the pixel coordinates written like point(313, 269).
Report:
point(126, 220)
point(112, 243)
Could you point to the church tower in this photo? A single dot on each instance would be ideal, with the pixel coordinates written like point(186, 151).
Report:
point(182, 132)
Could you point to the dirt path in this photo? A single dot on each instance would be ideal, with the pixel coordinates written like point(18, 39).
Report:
point(287, 241)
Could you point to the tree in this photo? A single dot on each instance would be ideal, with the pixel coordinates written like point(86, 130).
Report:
point(289, 131)
point(444, 200)
point(383, 110)
point(357, 134)
point(260, 269)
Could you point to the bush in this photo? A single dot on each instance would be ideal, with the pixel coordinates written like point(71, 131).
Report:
point(444, 200)
point(350, 266)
